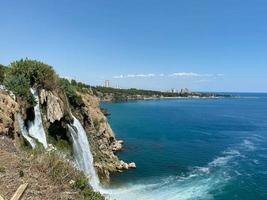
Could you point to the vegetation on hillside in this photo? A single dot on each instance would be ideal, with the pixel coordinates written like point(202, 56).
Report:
point(62, 172)
point(19, 77)
point(70, 88)
point(3, 70)
point(24, 74)
point(117, 95)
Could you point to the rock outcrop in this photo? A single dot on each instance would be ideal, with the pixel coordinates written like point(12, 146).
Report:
point(54, 105)
point(8, 110)
point(101, 137)
point(56, 110)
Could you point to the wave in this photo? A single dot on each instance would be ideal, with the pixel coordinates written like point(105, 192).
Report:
point(249, 145)
point(199, 183)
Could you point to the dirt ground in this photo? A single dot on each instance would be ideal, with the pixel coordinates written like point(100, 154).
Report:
point(16, 170)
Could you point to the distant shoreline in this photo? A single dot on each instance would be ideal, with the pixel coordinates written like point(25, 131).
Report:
point(169, 98)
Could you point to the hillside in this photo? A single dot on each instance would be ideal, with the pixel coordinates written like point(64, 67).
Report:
point(42, 119)
point(109, 94)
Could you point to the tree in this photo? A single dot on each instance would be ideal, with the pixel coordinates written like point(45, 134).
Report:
point(24, 74)
point(2, 73)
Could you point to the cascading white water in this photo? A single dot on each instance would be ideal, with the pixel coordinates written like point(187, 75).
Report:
point(82, 152)
point(25, 133)
point(35, 128)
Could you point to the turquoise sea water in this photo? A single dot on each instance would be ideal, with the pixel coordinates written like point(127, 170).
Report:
point(192, 149)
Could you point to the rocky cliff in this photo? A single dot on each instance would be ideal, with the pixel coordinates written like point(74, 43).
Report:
point(38, 126)
point(101, 137)
point(56, 114)
point(8, 110)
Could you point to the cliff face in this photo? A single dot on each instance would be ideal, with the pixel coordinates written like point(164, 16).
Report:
point(55, 106)
point(101, 137)
point(49, 175)
point(56, 114)
point(8, 110)
point(43, 116)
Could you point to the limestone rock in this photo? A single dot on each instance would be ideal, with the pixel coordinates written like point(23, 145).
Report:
point(54, 105)
point(117, 145)
point(123, 165)
point(101, 137)
point(8, 110)
point(51, 148)
point(132, 165)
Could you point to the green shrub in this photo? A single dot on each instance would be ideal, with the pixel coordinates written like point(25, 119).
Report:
point(81, 182)
point(70, 90)
point(96, 123)
point(24, 74)
point(63, 172)
point(2, 170)
point(102, 120)
point(89, 195)
point(20, 86)
point(21, 174)
point(3, 70)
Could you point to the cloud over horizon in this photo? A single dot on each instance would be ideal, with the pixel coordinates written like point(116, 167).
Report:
point(176, 74)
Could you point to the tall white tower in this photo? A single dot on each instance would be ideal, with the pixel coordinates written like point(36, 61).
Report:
point(106, 83)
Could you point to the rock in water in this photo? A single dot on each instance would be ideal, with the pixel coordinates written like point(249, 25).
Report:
point(132, 165)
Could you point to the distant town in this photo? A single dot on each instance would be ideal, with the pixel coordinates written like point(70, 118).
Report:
point(172, 90)
point(108, 93)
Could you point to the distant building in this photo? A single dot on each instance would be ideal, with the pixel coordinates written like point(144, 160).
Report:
point(106, 83)
point(173, 90)
point(185, 91)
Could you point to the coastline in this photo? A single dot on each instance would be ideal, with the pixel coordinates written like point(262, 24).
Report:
point(169, 98)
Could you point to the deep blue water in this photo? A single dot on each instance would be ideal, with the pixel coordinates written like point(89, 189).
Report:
point(192, 149)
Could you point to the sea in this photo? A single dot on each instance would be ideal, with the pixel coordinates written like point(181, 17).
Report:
point(192, 148)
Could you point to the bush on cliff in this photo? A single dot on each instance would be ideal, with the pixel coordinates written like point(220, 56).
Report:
point(24, 74)
point(2, 73)
point(70, 90)
point(61, 172)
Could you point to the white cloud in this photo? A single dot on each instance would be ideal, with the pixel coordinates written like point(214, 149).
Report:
point(134, 76)
point(130, 75)
point(150, 75)
point(177, 74)
point(185, 74)
point(119, 76)
point(191, 74)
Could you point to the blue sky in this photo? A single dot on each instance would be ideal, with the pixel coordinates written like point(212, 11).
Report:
point(205, 45)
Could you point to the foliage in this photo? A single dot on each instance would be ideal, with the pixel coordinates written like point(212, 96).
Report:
point(37, 73)
point(118, 95)
point(2, 169)
point(24, 74)
point(70, 90)
point(62, 172)
point(96, 123)
point(20, 86)
point(3, 70)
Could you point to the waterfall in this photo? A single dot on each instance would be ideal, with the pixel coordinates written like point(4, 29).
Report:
point(82, 152)
point(25, 133)
point(35, 128)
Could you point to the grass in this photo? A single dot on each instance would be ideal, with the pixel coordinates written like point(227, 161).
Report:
point(2, 170)
point(63, 172)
